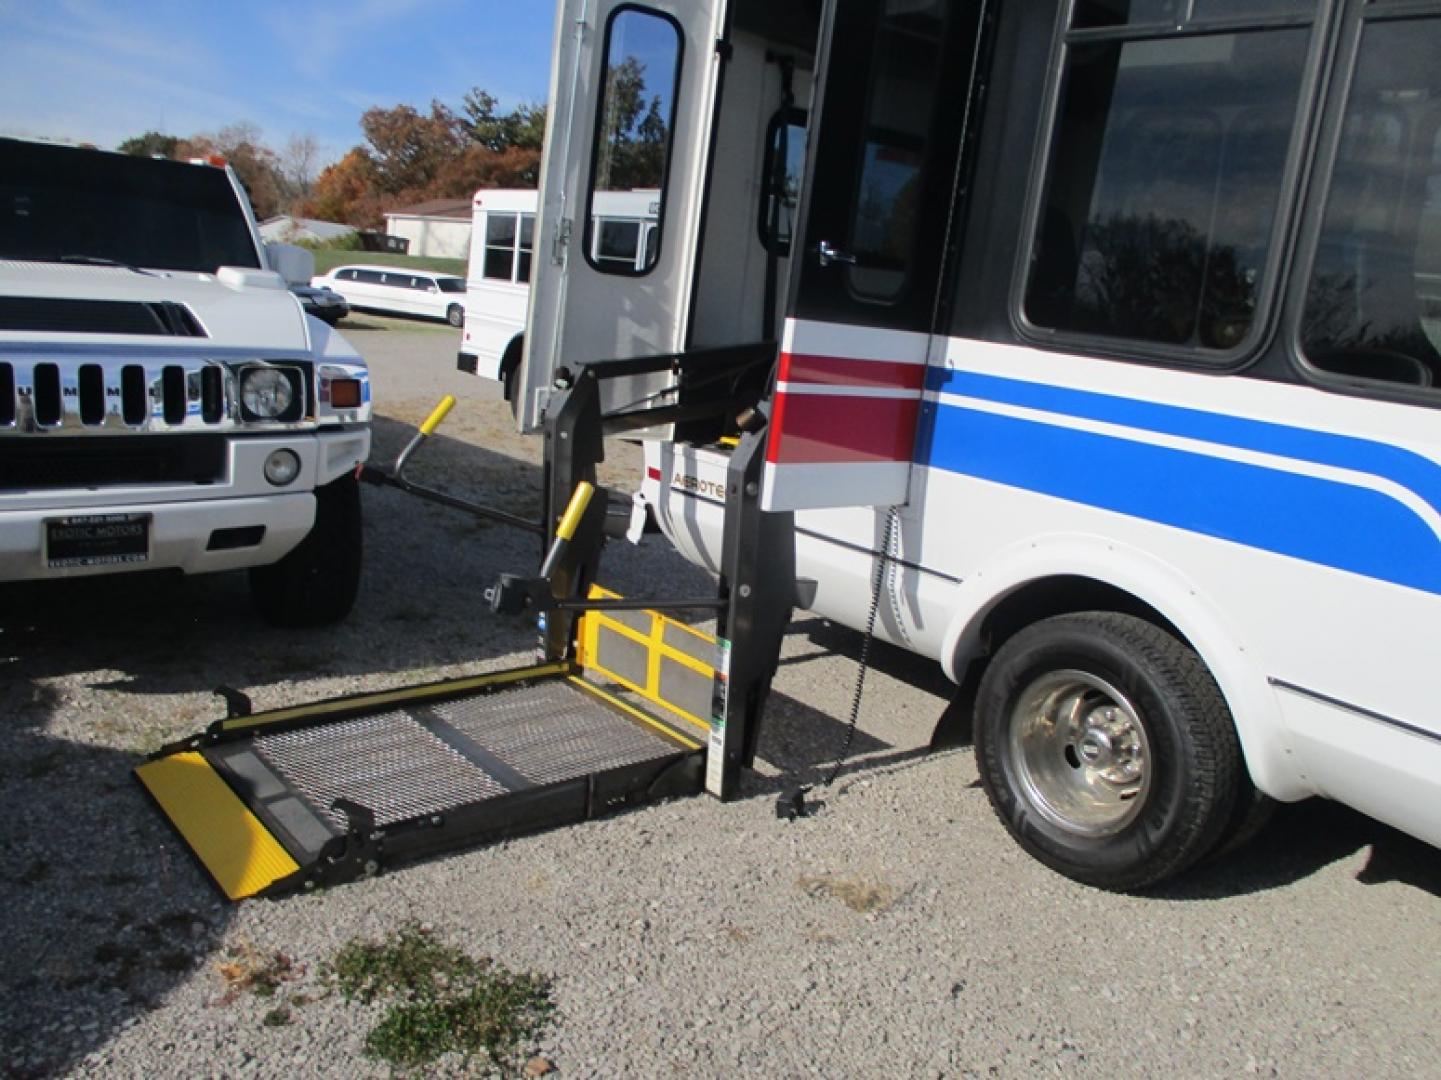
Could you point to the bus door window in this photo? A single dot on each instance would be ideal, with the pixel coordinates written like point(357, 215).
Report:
point(883, 141)
point(781, 182)
point(634, 125)
point(1371, 299)
point(895, 125)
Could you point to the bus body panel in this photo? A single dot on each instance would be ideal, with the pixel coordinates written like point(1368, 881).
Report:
point(1281, 616)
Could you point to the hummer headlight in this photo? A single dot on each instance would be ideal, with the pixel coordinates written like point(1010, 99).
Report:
point(270, 393)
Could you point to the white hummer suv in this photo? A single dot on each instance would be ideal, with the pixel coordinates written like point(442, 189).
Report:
point(165, 403)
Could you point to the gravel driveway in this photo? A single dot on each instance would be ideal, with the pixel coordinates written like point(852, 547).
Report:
point(896, 933)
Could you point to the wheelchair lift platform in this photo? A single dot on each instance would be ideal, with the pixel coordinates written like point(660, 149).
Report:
point(292, 799)
point(626, 705)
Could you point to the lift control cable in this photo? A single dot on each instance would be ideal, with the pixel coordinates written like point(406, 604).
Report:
point(792, 804)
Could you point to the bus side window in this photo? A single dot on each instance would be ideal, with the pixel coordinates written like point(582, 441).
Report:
point(1371, 301)
point(527, 247)
point(500, 247)
point(617, 243)
point(1163, 186)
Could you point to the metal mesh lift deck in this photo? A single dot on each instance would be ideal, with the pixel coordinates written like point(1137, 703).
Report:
point(334, 790)
point(322, 794)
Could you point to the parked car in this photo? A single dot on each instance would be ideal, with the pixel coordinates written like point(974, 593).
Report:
point(397, 291)
point(327, 305)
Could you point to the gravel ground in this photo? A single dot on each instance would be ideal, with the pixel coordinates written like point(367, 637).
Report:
point(898, 932)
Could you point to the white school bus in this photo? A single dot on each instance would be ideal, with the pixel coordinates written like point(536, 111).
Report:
point(1107, 358)
point(502, 251)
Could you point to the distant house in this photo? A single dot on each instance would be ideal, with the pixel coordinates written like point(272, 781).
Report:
point(439, 228)
point(287, 229)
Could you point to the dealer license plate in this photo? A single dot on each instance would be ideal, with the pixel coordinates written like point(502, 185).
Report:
point(97, 540)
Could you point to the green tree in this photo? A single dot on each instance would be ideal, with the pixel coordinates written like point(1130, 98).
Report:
point(151, 144)
point(523, 128)
point(634, 132)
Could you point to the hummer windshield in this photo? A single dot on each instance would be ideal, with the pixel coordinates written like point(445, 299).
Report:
point(62, 204)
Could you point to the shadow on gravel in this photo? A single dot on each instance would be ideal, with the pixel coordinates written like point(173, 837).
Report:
point(102, 914)
point(104, 910)
point(1303, 838)
point(803, 742)
point(421, 604)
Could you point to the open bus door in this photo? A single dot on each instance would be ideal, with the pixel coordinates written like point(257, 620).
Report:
point(897, 79)
point(633, 89)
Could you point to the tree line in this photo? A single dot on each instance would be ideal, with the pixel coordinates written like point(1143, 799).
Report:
point(408, 157)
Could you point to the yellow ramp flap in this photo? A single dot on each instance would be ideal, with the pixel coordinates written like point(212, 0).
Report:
point(233, 845)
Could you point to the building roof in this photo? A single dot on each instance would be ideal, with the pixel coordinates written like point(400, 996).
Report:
point(434, 208)
point(321, 230)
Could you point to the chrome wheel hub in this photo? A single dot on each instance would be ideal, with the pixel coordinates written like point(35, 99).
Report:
point(1080, 753)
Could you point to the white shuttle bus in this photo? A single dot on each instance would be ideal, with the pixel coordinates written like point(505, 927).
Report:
point(1109, 330)
point(502, 251)
point(497, 283)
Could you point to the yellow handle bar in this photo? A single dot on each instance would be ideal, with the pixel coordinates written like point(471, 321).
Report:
point(438, 414)
point(570, 520)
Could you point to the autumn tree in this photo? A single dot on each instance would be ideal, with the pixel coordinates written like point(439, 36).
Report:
point(408, 156)
point(255, 164)
point(346, 192)
point(409, 149)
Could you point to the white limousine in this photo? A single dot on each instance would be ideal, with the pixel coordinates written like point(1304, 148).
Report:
point(398, 291)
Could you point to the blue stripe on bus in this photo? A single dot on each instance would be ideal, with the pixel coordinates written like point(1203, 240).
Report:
point(1409, 470)
point(1319, 521)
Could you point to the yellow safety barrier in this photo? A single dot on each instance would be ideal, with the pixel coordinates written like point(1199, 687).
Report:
point(649, 630)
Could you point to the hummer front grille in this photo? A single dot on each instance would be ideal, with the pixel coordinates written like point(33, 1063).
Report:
point(79, 397)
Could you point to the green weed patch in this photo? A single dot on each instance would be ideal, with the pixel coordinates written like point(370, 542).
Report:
point(442, 1000)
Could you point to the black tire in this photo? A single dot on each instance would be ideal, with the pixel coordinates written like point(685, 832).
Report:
point(317, 582)
point(510, 373)
point(455, 315)
point(512, 390)
point(1107, 750)
point(1251, 813)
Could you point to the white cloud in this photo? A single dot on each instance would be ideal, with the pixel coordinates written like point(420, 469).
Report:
point(316, 45)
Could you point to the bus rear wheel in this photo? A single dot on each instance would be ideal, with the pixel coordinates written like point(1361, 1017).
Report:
point(1106, 749)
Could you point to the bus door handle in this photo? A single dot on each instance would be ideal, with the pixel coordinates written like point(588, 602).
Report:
point(830, 255)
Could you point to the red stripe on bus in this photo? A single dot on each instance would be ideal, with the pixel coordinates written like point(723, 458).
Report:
point(841, 371)
point(817, 429)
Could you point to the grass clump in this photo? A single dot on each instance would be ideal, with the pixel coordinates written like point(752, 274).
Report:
point(444, 1000)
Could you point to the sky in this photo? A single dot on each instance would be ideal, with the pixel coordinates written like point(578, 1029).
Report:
point(101, 71)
